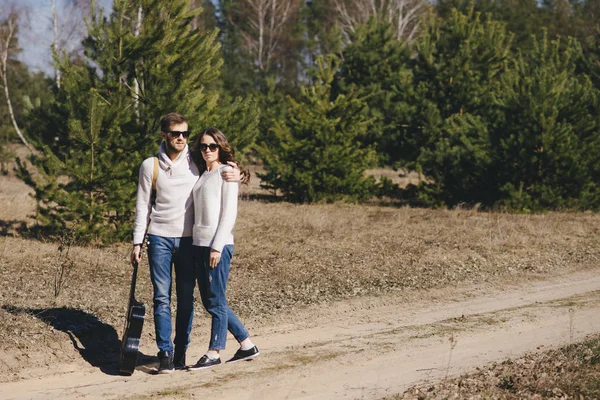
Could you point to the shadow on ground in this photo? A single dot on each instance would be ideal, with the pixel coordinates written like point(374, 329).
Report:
point(96, 341)
point(13, 228)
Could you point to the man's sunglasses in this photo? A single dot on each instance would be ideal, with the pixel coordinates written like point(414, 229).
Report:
point(212, 146)
point(175, 134)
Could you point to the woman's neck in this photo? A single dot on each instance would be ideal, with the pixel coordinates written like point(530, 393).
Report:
point(212, 165)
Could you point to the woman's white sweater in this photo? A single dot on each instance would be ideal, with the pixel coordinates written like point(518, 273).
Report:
point(215, 209)
point(172, 214)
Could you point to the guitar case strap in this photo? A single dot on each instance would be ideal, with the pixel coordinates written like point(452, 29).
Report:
point(155, 173)
point(154, 178)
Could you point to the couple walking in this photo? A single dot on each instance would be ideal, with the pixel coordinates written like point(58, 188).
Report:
point(189, 225)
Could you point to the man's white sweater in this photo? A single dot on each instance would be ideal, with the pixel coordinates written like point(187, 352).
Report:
point(215, 208)
point(172, 214)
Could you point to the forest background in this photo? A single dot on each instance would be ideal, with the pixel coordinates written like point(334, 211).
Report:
point(492, 103)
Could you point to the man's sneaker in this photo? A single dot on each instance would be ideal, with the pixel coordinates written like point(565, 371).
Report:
point(244, 355)
point(179, 359)
point(166, 362)
point(205, 362)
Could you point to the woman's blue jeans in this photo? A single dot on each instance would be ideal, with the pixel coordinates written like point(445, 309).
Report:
point(162, 253)
point(212, 283)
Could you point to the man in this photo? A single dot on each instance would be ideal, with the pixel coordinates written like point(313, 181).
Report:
point(169, 224)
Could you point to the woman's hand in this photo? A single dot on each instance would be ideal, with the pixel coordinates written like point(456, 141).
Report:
point(215, 257)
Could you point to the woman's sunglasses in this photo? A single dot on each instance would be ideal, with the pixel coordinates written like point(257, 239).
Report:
point(212, 146)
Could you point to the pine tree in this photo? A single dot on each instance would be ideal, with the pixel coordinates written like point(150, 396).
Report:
point(431, 102)
point(315, 154)
point(523, 18)
point(590, 63)
point(548, 147)
point(104, 120)
point(378, 64)
point(457, 66)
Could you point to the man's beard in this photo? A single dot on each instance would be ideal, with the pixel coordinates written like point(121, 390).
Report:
point(172, 149)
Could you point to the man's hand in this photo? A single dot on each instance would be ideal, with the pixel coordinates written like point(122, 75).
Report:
point(215, 257)
point(232, 175)
point(136, 253)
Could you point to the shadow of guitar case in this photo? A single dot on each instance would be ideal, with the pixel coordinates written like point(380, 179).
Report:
point(130, 343)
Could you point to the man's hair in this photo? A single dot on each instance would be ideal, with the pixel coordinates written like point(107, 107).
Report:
point(172, 118)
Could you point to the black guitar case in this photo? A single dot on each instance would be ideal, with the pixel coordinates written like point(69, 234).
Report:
point(130, 342)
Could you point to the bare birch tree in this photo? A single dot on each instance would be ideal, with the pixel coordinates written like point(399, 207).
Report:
point(57, 72)
point(136, 82)
point(262, 25)
point(68, 28)
point(402, 14)
point(8, 47)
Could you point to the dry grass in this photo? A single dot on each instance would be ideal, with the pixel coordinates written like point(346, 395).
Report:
point(308, 254)
point(571, 372)
point(287, 256)
point(16, 205)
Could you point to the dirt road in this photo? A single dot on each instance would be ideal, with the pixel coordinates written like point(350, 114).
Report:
point(359, 349)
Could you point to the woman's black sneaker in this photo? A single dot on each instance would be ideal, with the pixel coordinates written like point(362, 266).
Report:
point(244, 355)
point(205, 362)
point(179, 359)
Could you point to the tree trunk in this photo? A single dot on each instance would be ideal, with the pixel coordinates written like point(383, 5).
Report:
point(56, 44)
point(11, 22)
point(10, 110)
point(136, 83)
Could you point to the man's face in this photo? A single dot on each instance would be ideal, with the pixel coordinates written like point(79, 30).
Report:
point(174, 141)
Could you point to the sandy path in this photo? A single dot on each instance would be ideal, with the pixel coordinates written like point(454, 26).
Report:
point(363, 348)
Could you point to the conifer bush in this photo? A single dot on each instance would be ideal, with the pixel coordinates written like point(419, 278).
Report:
point(547, 147)
point(314, 154)
point(104, 119)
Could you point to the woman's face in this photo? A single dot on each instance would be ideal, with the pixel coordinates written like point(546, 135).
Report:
point(209, 149)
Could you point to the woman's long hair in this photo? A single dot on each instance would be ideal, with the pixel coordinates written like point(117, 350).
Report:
point(226, 152)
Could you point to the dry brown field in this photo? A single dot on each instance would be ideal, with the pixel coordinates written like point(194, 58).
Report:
point(303, 270)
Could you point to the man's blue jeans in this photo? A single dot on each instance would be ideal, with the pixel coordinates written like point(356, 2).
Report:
point(162, 251)
point(212, 283)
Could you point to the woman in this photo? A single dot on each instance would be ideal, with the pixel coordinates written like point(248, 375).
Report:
point(215, 207)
